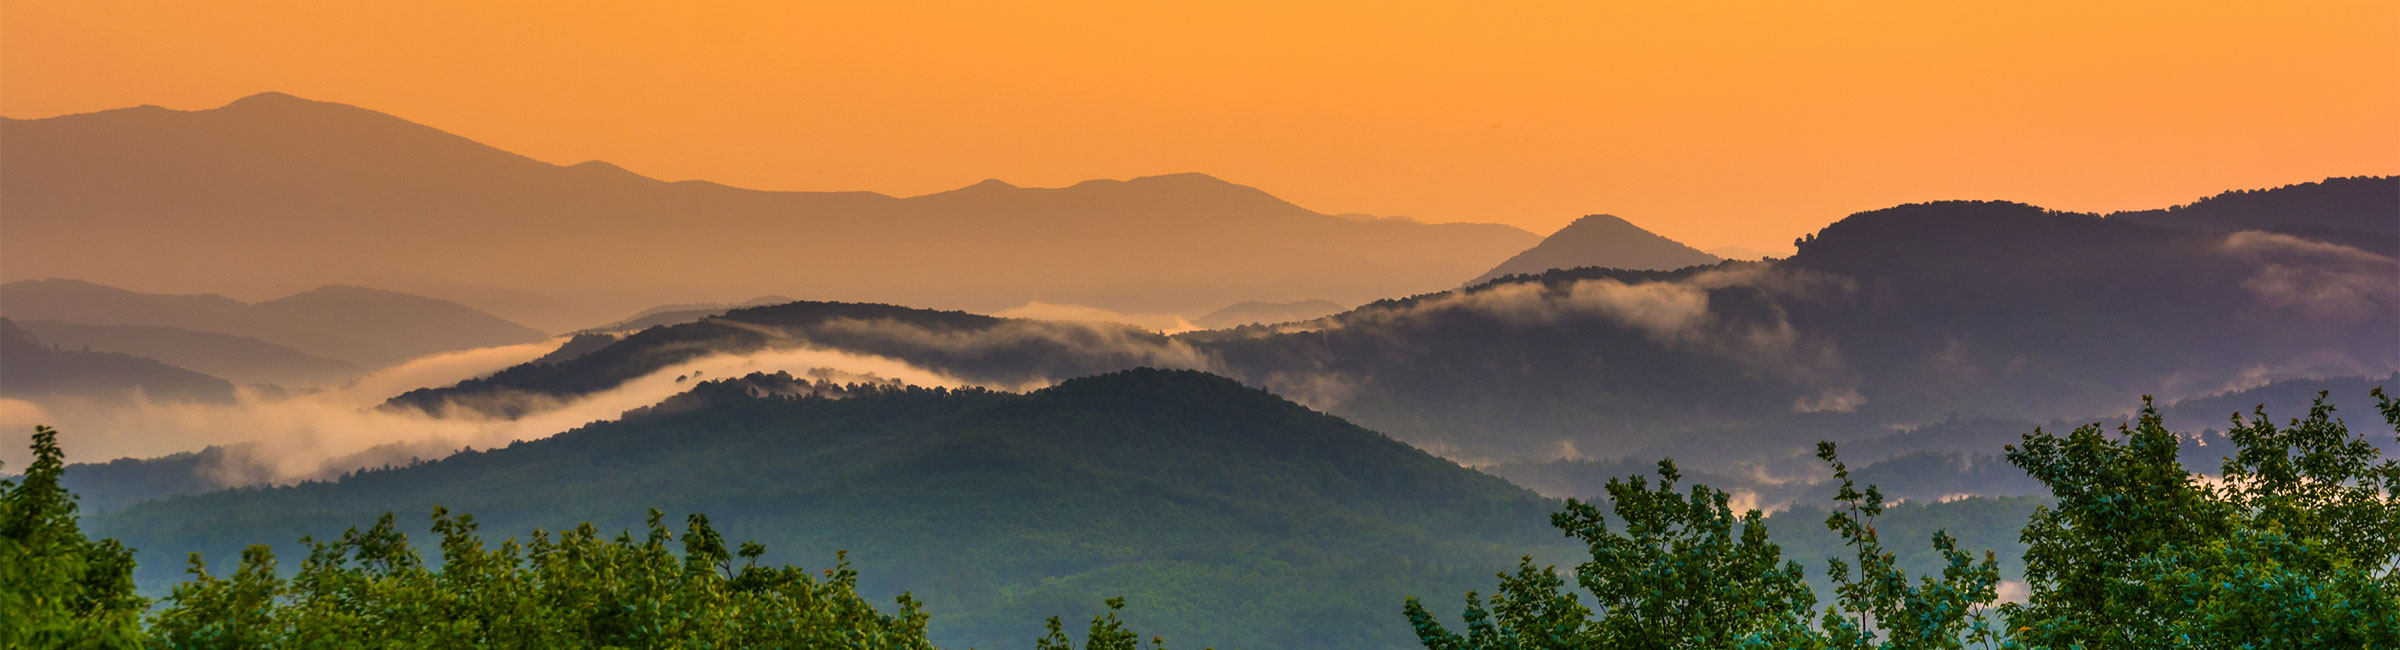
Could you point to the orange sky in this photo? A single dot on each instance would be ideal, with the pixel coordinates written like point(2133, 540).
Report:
point(1737, 123)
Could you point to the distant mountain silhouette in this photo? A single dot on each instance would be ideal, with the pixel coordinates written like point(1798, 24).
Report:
point(1034, 351)
point(2355, 211)
point(237, 358)
point(1250, 312)
point(273, 187)
point(1887, 318)
point(367, 327)
point(581, 344)
point(1599, 241)
point(30, 367)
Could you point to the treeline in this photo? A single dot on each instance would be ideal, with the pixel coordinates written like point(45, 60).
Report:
point(2294, 543)
point(371, 589)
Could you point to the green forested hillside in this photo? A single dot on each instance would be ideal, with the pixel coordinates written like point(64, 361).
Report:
point(1000, 351)
point(1225, 515)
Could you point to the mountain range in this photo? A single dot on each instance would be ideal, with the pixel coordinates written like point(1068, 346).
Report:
point(682, 312)
point(362, 327)
point(1114, 460)
point(246, 197)
point(240, 359)
point(33, 368)
point(1884, 319)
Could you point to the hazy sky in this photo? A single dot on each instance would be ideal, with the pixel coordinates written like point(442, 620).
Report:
point(1733, 123)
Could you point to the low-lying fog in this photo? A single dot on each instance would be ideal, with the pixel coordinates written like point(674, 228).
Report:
point(324, 433)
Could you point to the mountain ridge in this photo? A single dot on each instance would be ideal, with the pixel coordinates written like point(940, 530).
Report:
point(232, 357)
point(34, 368)
point(358, 325)
point(1600, 240)
point(287, 186)
point(1887, 317)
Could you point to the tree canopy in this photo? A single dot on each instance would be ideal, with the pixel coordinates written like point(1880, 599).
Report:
point(2292, 544)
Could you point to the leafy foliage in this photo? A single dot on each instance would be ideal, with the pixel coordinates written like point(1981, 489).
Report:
point(370, 589)
point(1876, 606)
point(1105, 633)
point(1686, 573)
point(2295, 546)
point(59, 589)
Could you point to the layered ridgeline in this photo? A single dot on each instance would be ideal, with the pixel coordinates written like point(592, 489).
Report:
point(683, 312)
point(1949, 459)
point(271, 187)
point(33, 368)
point(1225, 515)
point(238, 359)
point(1604, 241)
point(985, 350)
point(1885, 320)
point(348, 325)
point(1255, 312)
point(2355, 211)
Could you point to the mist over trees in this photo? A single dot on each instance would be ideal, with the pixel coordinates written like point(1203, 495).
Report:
point(1885, 319)
point(1224, 515)
point(2291, 544)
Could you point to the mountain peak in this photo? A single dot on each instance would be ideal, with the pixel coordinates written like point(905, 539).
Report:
point(1195, 179)
point(270, 98)
point(1591, 221)
point(273, 103)
point(1601, 240)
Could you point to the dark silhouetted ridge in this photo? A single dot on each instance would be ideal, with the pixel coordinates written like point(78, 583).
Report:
point(1600, 241)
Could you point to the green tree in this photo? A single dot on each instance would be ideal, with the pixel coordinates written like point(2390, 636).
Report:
point(370, 589)
point(1876, 607)
point(57, 588)
point(1105, 633)
point(2293, 547)
point(1687, 573)
point(1684, 573)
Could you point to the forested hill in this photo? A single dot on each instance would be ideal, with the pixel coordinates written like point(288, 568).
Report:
point(1886, 319)
point(1225, 515)
point(974, 347)
point(2355, 211)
